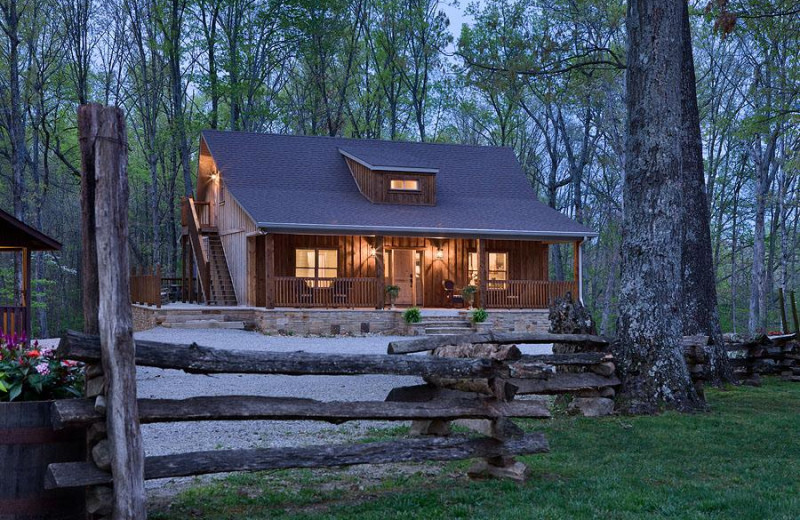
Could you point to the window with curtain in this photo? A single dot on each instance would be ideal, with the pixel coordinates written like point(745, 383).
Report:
point(498, 270)
point(404, 184)
point(316, 263)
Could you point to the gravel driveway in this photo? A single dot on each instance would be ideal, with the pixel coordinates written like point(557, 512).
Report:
point(162, 439)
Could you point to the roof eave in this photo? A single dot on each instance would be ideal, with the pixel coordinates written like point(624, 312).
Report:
point(332, 229)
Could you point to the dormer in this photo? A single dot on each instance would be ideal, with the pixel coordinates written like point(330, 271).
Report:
point(395, 179)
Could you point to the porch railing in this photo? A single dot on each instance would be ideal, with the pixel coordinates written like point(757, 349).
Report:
point(525, 294)
point(325, 292)
point(13, 320)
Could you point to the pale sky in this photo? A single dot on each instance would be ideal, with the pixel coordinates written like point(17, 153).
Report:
point(454, 9)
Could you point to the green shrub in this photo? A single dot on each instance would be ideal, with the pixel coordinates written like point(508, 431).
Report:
point(479, 315)
point(412, 315)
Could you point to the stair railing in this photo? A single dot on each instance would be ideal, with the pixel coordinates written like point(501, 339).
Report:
point(200, 255)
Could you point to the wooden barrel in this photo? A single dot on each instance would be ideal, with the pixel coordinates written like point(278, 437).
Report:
point(28, 444)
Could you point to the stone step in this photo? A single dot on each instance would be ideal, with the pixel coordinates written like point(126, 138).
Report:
point(205, 324)
point(448, 331)
point(444, 323)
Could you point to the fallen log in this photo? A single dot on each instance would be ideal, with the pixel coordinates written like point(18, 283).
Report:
point(205, 360)
point(500, 338)
point(76, 412)
point(78, 474)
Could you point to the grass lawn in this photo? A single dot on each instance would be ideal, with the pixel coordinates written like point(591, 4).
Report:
point(742, 460)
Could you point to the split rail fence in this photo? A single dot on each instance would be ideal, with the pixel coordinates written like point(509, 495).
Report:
point(489, 373)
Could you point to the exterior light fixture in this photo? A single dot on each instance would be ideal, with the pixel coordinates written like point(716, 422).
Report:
point(214, 176)
point(439, 254)
point(373, 251)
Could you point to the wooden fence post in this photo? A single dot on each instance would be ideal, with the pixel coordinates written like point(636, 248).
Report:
point(103, 131)
point(794, 314)
point(89, 288)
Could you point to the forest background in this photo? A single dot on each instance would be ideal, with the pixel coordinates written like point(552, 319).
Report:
point(546, 78)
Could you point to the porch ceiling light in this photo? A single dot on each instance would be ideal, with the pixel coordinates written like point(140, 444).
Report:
point(214, 176)
point(373, 251)
point(439, 254)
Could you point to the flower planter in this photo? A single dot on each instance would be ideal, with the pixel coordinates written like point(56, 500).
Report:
point(28, 444)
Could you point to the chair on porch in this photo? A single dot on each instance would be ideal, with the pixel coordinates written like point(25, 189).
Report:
point(303, 291)
point(341, 291)
point(451, 297)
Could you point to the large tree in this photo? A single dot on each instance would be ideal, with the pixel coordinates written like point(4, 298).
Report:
point(650, 322)
point(700, 313)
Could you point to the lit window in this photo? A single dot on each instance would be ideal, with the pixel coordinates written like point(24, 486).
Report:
point(405, 184)
point(498, 269)
point(316, 263)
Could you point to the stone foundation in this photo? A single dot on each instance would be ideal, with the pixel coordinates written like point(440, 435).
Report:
point(515, 321)
point(334, 322)
point(144, 318)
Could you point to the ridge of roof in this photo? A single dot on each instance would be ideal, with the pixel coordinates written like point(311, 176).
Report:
point(356, 139)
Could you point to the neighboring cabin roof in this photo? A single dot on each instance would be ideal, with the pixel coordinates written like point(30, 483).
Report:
point(17, 234)
point(302, 184)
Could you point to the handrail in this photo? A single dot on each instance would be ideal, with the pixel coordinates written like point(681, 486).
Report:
point(200, 257)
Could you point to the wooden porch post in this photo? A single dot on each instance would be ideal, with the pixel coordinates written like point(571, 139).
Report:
point(26, 290)
point(269, 260)
point(483, 272)
point(379, 274)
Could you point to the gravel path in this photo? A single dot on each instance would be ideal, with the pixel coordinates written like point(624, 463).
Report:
point(168, 438)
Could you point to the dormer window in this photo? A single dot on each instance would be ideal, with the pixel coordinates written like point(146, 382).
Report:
point(392, 178)
point(404, 184)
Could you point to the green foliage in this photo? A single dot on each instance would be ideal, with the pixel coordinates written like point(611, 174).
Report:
point(393, 291)
point(30, 373)
point(412, 315)
point(479, 315)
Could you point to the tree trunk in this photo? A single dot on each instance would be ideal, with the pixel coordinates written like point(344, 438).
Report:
point(649, 351)
point(700, 313)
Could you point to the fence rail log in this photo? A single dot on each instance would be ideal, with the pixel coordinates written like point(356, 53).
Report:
point(74, 412)
point(560, 382)
point(500, 338)
point(407, 450)
point(577, 358)
point(204, 360)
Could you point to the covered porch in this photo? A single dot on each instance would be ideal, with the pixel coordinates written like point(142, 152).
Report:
point(352, 271)
point(19, 239)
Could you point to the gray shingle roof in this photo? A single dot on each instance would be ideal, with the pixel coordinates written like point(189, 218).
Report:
point(296, 183)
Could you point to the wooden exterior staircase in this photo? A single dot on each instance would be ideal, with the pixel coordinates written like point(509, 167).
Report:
point(221, 285)
point(207, 253)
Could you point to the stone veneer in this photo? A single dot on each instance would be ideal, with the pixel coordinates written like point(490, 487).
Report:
point(329, 321)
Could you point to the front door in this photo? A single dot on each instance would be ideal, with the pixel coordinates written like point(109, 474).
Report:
point(403, 261)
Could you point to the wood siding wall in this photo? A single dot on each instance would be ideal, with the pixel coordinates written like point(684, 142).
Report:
point(527, 260)
point(374, 185)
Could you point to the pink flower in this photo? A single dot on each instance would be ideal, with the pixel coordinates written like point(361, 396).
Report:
point(43, 369)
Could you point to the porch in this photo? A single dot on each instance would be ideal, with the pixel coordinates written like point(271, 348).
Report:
point(349, 272)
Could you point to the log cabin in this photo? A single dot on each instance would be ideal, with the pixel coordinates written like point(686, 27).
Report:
point(284, 221)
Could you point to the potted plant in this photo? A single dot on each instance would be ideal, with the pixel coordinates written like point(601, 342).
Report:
point(392, 291)
point(479, 315)
point(412, 315)
point(30, 378)
point(468, 293)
